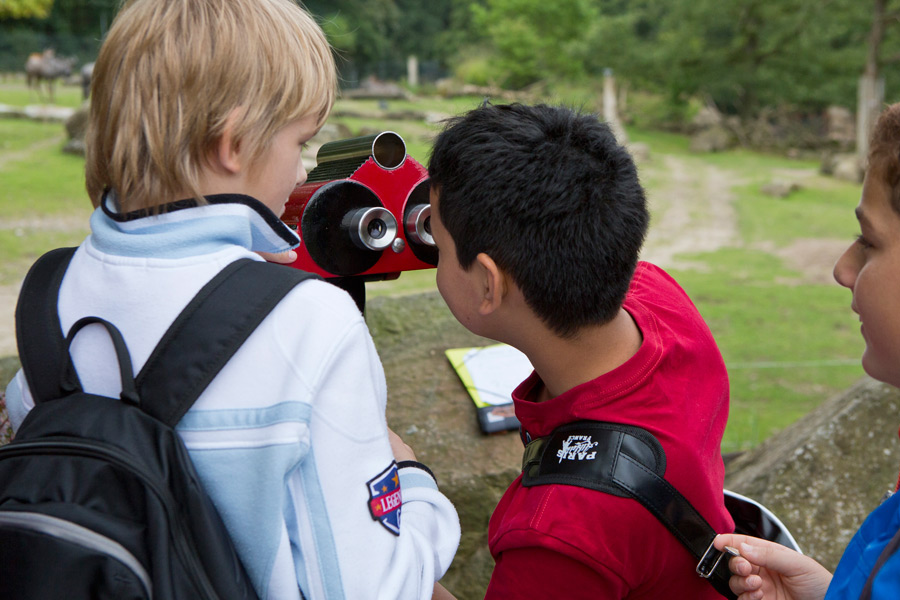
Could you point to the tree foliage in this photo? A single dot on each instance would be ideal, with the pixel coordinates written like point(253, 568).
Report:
point(534, 40)
point(70, 27)
point(22, 9)
point(741, 55)
point(370, 33)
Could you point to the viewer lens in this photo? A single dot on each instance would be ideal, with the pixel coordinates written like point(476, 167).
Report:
point(377, 229)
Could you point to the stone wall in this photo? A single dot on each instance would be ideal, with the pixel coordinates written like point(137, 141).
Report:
point(431, 410)
point(821, 476)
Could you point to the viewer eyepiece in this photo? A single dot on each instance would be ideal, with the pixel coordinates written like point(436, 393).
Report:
point(372, 228)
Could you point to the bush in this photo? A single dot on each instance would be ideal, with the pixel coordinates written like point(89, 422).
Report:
point(474, 68)
point(654, 111)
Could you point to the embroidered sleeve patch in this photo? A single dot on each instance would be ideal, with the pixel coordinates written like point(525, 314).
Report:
point(385, 499)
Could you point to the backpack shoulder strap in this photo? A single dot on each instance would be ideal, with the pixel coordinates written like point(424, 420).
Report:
point(629, 462)
point(39, 335)
point(208, 332)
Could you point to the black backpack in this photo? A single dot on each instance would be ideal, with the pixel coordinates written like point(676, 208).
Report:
point(98, 496)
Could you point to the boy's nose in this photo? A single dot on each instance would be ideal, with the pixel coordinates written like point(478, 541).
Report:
point(845, 270)
point(301, 174)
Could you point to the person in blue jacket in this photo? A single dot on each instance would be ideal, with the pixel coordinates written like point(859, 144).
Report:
point(870, 268)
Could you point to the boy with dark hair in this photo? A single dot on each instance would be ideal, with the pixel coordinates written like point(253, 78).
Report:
point(539, 218)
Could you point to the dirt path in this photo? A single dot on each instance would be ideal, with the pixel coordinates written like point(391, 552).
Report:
point(26, 152)
point(693, 212)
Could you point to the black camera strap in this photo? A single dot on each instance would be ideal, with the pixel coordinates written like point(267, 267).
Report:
point(628, 462)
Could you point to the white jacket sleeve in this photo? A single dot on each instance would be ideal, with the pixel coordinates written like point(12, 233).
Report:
point(355, 538)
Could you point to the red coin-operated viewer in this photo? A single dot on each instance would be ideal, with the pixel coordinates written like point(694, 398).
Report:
point(363, 213)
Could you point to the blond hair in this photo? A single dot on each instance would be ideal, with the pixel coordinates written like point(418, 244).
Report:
point(170, 73)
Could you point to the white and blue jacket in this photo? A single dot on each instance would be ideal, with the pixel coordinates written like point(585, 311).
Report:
point(290, 439)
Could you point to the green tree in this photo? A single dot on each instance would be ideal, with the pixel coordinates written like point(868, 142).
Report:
point(742, 55)
point(359, 29)
point(534, 39)
point(369, 34)
point(24, 9)
point(871, 93)
point(416, 31)
point(70, 27)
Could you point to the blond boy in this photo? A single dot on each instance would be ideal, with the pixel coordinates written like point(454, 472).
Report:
point(199, 112)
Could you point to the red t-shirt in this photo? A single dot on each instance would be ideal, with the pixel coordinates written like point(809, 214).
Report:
point(560, 541)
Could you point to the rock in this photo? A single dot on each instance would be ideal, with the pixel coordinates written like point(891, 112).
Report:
point(428, 403)
point(16, 112)
point(842, 166)
point(373, 88)
point(331, 132)
point(37, 112)
point(640, 152)
point(74, 147)
point(840, 126)
point(712, 139)
point(849, 169)
point(451, 88)
point(48, 113)
point(822, 475)
point(75, 128)
point(706, 117)
point(780, 188)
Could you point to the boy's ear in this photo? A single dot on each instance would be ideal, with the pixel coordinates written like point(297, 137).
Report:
point(493, 284)
point(227, 152)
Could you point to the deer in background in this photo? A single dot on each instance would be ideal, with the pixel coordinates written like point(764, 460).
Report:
point(46, 67)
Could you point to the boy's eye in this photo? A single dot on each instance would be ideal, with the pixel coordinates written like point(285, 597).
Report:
point(863, 242)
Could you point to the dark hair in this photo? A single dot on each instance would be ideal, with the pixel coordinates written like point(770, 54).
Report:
point(550, 195)
point(884, 151)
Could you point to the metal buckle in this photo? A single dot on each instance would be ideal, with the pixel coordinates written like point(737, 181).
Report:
point(703, 569)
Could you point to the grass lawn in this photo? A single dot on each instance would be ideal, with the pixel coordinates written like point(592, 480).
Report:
point(14, 93)
point(43, 203)
point(787, 347)
point(789, 342)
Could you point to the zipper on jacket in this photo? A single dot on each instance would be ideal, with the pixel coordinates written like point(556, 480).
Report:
point(103, 451)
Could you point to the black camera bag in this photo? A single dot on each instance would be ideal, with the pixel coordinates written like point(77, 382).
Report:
point(629, 462)
point(98, 496)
